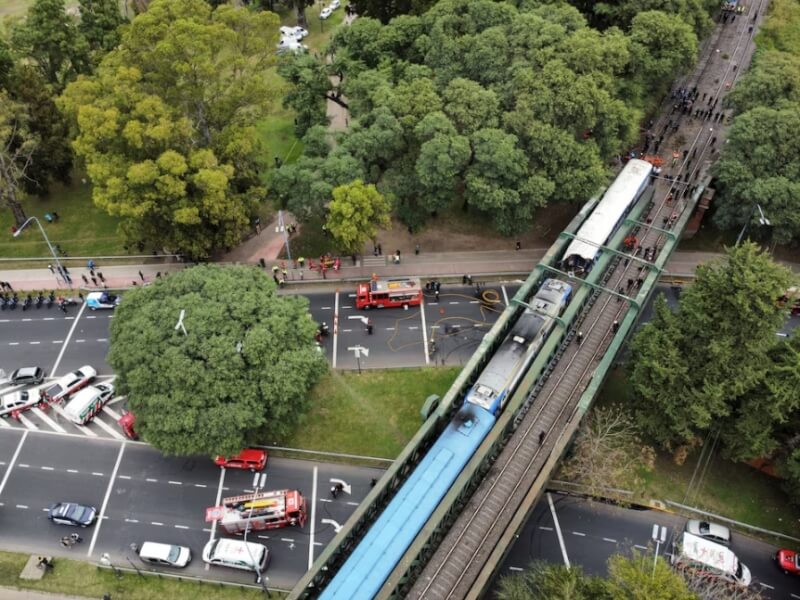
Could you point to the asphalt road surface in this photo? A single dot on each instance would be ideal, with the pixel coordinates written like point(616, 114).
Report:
point(593, 531)
point(144, 496)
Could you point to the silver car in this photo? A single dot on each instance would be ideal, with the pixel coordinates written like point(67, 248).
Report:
point(709, 531)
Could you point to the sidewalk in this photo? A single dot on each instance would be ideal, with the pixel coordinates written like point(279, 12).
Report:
point(14, 594)
point(489, 264)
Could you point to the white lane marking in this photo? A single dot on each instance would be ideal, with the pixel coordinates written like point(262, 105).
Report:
point(181, 527)
point(578, 533)
point(318, 544)
point(454, 303)
point(514, 569)
point(48, 319)
point(351, 295)
point(558, 530)
point(432, 303)
point(47, 468)
point(3, 423)
point(217, 503)
point(57, 342)
point(325, 307)
point(66, 343)
point(27, 422)
point(795, 596)
point(112, 413)
point(200, 485)
point(91, 317)
point(335, 328)
point(131, 520)
point(313, 518)
point(46, 418)
point(347, 307)
point(505, 294)
point(325, 500)
point(73, 471)
point(79, 341)
point(424, 333)
point(764, 585)
point(175, 482)
point(107, 496)
point(26, 320)
point(23, 466)
point(612, 540)
point(97, 474)
point(156, 523)
point(21, 506)
point(151, 480)
point(13, 343)
point(125, 477)
point(112, 431)
point(84, 430)
point(412, 328)
point(102, 339)
point(390, 329)
point(640, 547)
point(34, 343)
point(287, 540)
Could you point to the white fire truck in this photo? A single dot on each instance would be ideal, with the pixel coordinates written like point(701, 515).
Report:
point(262, 510)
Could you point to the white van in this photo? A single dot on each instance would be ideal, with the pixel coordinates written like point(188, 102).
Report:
point(698, 554)
point(236, 554)
point(88, 402)
point(167, 555)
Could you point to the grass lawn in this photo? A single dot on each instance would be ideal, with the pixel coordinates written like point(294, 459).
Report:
point(84, 579)
point(372, 414)
point(730, 489)
point(82, 229)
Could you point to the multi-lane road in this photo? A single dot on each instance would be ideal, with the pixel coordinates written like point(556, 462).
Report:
point(144, 496)
point(574, 530)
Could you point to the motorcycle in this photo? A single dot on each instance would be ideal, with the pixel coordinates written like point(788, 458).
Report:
point(26, 304)
point(3, 301)
point(13, 302)
point(39, 301)
point(50, 300)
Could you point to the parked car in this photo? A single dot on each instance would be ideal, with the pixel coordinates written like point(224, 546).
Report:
point(95, 300)
point(710, 531)
point(251, 458)
point(291, 45)
point(325, 12)
point(69, 384)
point(22, 400)
point(72, 513)
point(334, 4)
point(168, 555)
point(297, 32)
point(27, 375)
point(789, 561)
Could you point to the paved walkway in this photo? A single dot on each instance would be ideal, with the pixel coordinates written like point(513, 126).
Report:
point(490, 264)
point(14, 594)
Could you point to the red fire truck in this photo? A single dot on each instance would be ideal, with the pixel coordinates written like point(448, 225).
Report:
point(262, 510)
point(389, 293)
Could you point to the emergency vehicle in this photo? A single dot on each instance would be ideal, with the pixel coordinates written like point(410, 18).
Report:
point(262, 510)
point(389, 293)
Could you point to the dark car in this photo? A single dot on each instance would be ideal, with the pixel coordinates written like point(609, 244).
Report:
point(27, 375)
point(71, 513)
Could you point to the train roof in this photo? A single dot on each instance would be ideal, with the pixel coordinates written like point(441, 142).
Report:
point(598, 226)
point(372, 561)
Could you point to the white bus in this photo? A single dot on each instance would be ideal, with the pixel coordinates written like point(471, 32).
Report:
point(88, 402)
point(698, 554)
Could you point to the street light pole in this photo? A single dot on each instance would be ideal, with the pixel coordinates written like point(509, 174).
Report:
point(761, 221)
point(49, 245)
point(281, 228)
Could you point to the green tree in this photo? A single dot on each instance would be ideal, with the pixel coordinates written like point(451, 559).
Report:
point(661, 45)
point(308, 91)
point(166, 125)
point(760, 164)
point(52, 155)
point(635, 577)
point(17, 148)
point(239, 375)
point(702, 363)
point(356, 213)
point(50, 39)
point(546, 581)
point(99, 25)
point(773, 79)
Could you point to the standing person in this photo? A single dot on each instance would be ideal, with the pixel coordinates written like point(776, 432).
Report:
point(103, 279)
point(86, 281)
point(301, 262)
point(141, 275)
point(579, 338)
point(52, 270)
point(615, 326)
point(380, 250)
point(541, 437)
point(519, 245)
point(416, 248)
point(94, 280)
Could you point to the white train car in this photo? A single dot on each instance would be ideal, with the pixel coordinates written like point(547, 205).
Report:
point(619, 197)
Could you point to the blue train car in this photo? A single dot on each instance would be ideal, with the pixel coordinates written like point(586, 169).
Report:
point(371, 563)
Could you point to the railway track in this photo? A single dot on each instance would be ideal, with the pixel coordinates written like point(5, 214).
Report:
point(465, 551)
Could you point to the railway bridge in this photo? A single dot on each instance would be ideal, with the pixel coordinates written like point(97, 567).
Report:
point(458, 550)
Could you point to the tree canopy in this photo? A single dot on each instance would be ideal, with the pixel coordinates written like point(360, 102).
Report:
point(500, 107)
point(710, 365)
point(356, 213)
point(166, 125)
point(239, 375)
